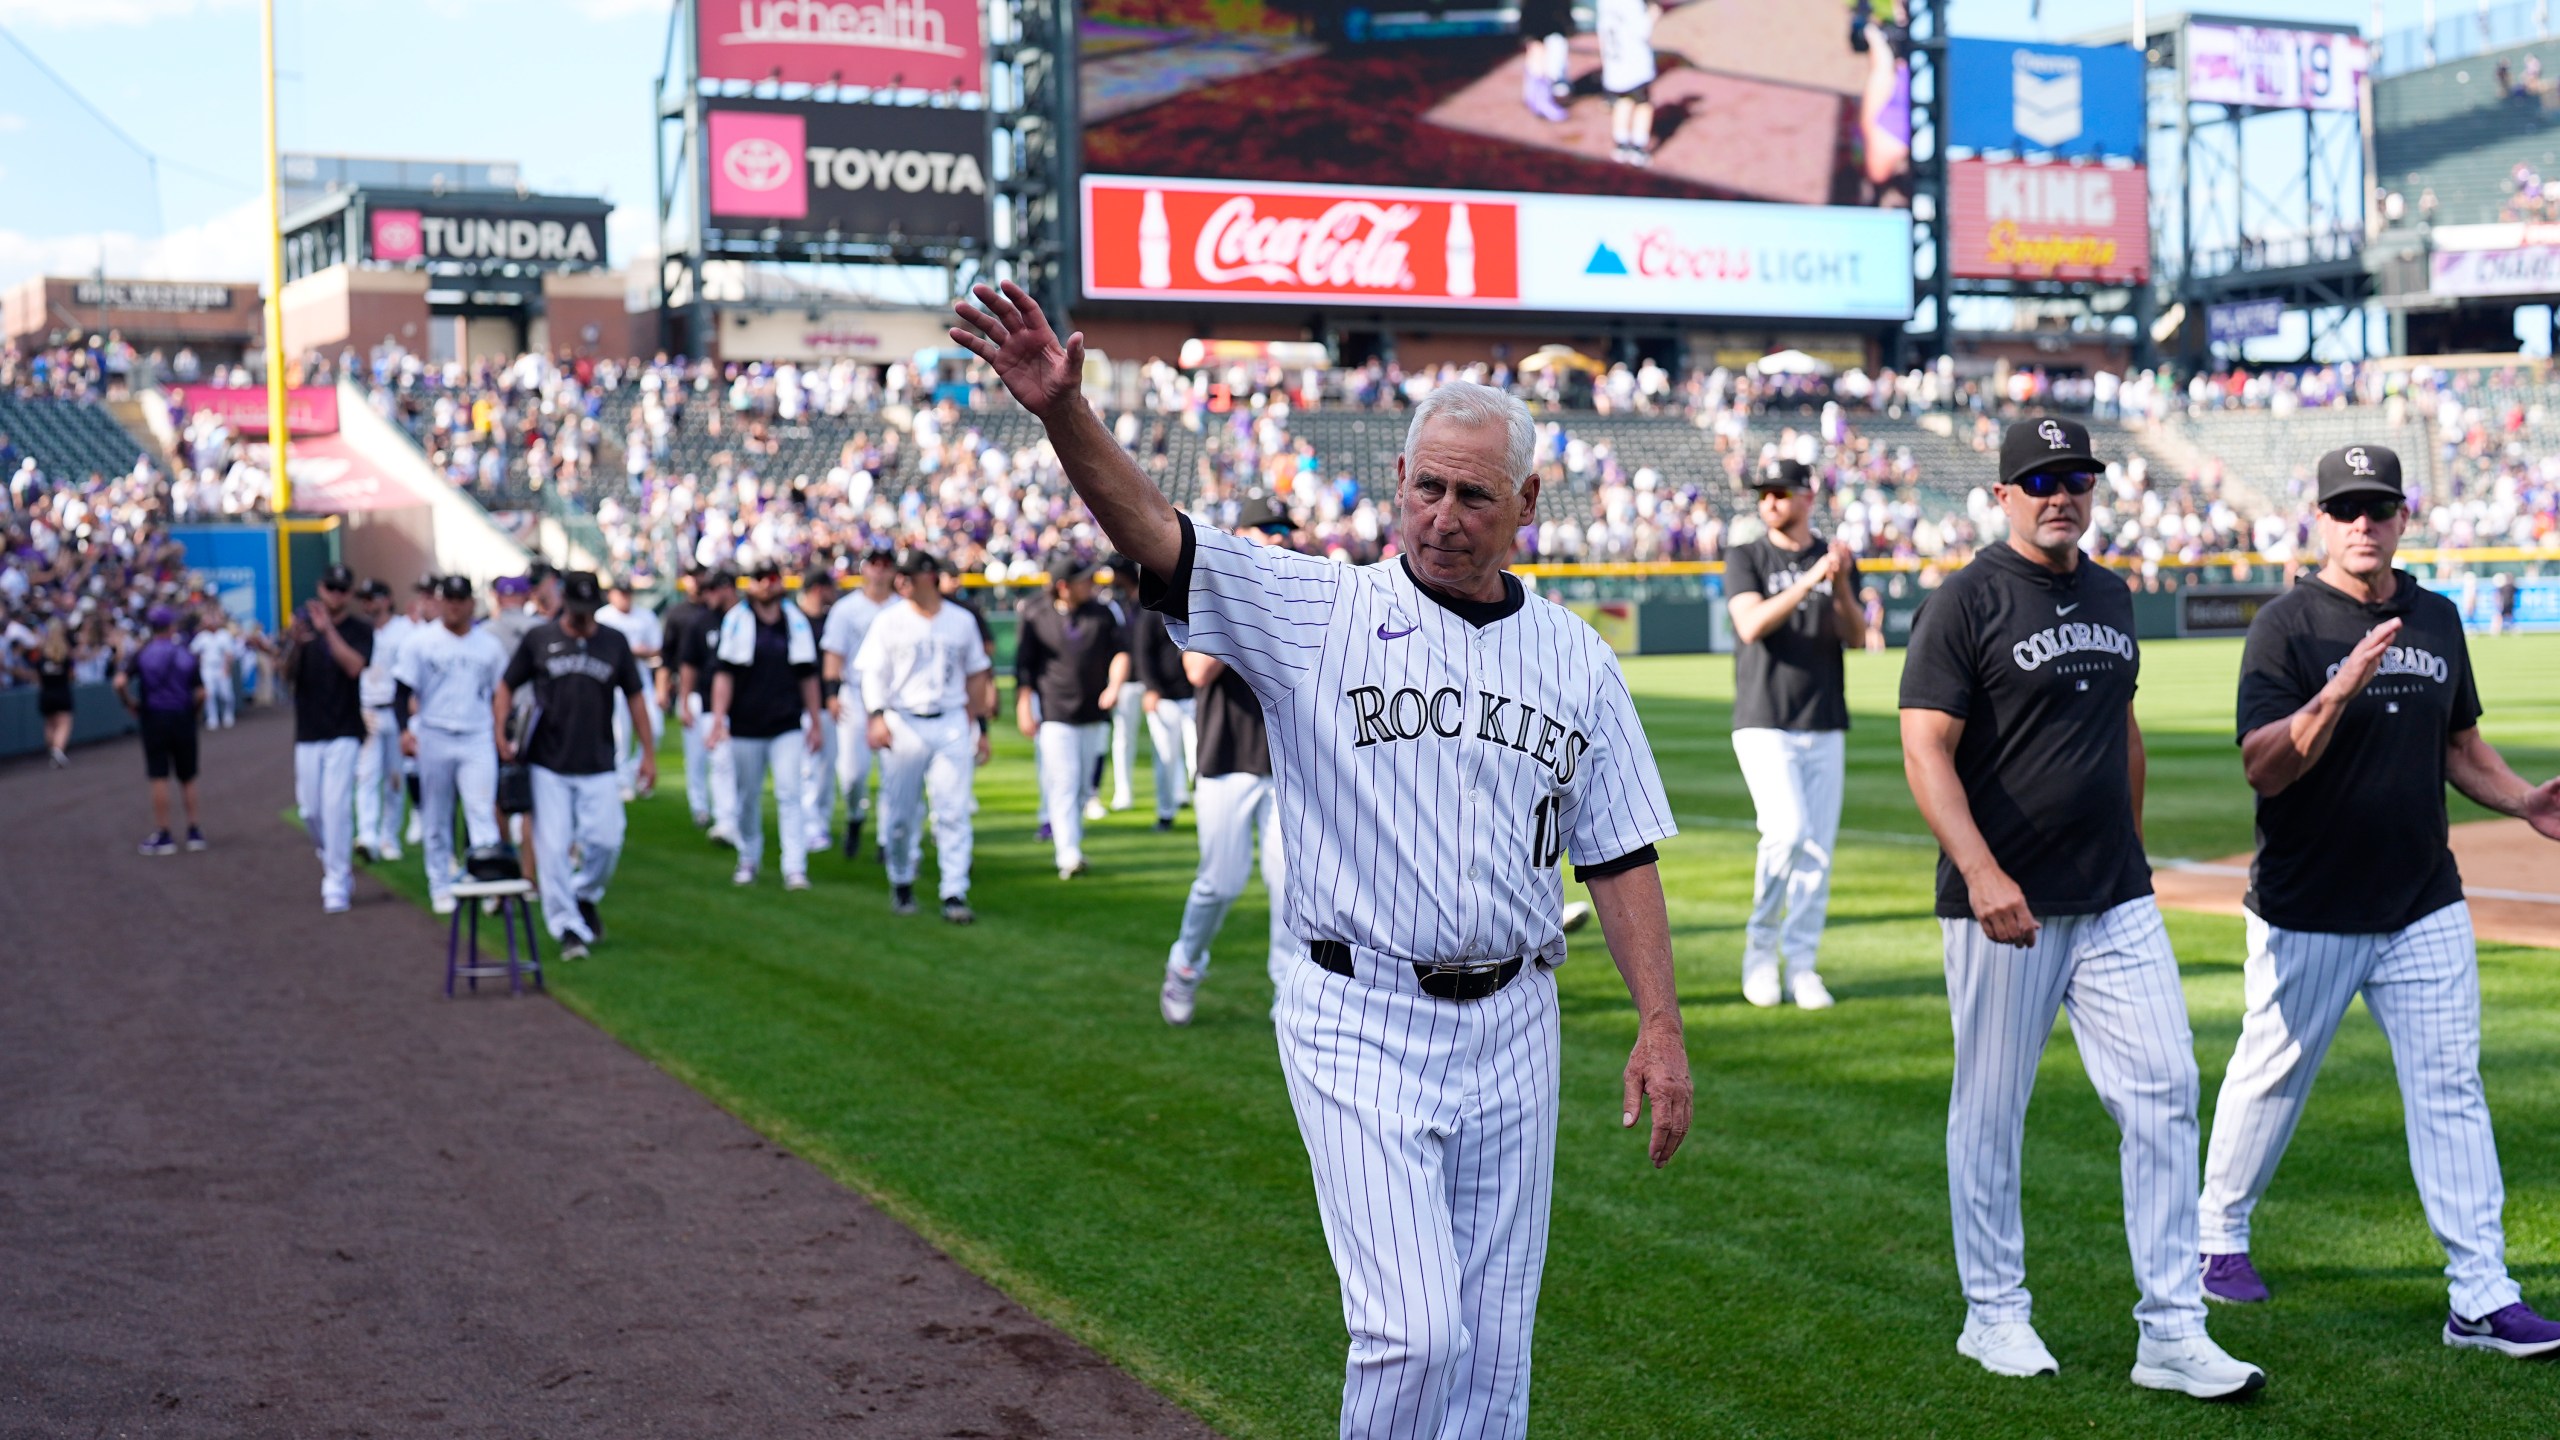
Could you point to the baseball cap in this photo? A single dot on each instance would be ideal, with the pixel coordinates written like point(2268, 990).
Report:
point(454, 587)
point(817, 575)
point(582, 589)
point(511, 585)
point(918, 561)
point(2360, 470)
point(374, 590)
point(1258, 513)
point(337, 577)
point(1784, 475)
point(715, 577)
point(1064, 565)
point(162, 617)
point(2049, 442)
point(539, 571)
point(430, 583)
point(880, 553)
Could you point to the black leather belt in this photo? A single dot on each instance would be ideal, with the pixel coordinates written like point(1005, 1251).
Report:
point(922, 714)
point(1448, 982)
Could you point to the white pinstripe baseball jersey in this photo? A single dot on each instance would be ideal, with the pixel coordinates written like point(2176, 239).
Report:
point(1432, 772)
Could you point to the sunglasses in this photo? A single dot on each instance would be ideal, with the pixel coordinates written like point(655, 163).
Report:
point(2045, 484)
point(2347, 508)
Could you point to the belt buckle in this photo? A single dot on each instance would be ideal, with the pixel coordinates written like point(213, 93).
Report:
point(1465, 982)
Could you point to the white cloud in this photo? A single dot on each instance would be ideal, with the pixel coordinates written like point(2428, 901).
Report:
point(91, 14)
point(11, 124)
point(230, 246)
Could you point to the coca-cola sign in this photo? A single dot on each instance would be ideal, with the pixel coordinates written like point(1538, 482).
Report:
point(1184, 239)
point(876, 44)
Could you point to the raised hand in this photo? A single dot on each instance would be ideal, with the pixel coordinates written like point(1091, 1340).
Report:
point(2357, 670)
point(1006, 329)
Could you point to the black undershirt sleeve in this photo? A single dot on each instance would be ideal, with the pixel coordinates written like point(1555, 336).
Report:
point(1170, 595)
point(1641, 855)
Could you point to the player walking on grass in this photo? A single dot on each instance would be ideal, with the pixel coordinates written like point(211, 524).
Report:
point(163, 685)
point(579, 671)
point(839, 640)
point(1070, 659)
point(329, 649)
point(1233, 808)
point(1795, 605)
point(764, 717)
point(708, 787)
point(2356, 707)
point(1171, 704)
point(1438, 745)
point(2019, 740)
point(926, 689)
point(449, 678)
point(648, 641)
point(380, 786)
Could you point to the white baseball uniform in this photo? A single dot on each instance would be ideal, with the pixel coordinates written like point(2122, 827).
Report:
point(2355, 891)
point(1434, 761)
point(2041, 668)
point(1790, 732)
point(454, 677)
point(218, 661)
point(641, 628)
point(915, 669)
point(848, 623)
point(1234, 806)
point(379, 788)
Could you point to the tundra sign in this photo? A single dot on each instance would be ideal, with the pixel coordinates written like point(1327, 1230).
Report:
point(811, 167)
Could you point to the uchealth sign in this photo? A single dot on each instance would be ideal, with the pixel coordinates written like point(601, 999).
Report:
point(308, 409)
point(1151, 239)
point(2015, 221)
point(877, 44)
point(869, 170)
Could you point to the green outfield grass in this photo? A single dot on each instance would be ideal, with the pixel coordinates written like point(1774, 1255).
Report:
point(1009, 1090)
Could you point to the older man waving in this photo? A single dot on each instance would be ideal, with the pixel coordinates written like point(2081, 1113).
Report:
point(1438, 745)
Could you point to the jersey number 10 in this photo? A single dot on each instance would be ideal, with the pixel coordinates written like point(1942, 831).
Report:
point(1546, 822)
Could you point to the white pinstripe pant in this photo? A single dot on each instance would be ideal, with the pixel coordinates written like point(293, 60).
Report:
point(2116, 974)
point(1431, 1128)
point(2422, 985)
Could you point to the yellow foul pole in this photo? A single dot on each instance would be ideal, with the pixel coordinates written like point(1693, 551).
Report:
point(276, 430)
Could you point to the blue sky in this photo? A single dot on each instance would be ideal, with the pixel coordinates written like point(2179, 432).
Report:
point(561, 86)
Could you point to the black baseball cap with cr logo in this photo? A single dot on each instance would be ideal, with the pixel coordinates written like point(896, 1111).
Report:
point(2360, 470)
point(2046, 443)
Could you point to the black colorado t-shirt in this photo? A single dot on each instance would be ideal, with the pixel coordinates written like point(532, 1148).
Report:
point(1066, 658)
point(2357, 845)
point(2041, 668)
point(764, 693)
point(327, 704)
point(1790, 678)
point(574, 682)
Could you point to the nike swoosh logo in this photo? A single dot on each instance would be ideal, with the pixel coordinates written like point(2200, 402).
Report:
point(1386, 634)
point(2067, 609)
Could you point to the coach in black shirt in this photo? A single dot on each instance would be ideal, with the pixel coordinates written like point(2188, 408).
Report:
point(1795, 605)
point(2019, 740)
point(2356, 707)
point(707, 786)
point(765, 716)
point(330, 647)
point(1172, 708)
point(1070, 659)
point(579, 671)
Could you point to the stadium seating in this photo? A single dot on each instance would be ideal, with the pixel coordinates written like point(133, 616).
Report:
point(2448, 129)
point(69, 439)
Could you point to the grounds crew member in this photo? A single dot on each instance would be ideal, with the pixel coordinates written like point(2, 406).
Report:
point(1232, 807)
point(2357, 707)
point(764, 716)
point(1070, 659)
point(1440, 743)
point(578, 672)
point(839, 641)
point(449, 677)
point(2019, 740)
point(1795, 606)
point(927, 690)
point(329, 648)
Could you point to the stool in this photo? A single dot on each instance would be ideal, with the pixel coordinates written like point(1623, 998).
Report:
point(515, 903)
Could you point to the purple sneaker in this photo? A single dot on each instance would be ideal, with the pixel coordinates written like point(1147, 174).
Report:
point(2232, 1280)
point(2515, 1331)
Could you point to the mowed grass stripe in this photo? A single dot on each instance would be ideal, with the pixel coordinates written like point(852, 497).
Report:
point(1009, 1090)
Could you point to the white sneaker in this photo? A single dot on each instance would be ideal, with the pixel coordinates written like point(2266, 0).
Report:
point(390, 852)
point(333, 907)
point(417, 831)
point(746, 876)
point(795, 882)
point(2194, 1365)
point(1175, 1000)
point(445, 905)
point(1761, 987)
point(1093, 810)
point(1809, 993)
point(1576, 915)
point(2010, 1347)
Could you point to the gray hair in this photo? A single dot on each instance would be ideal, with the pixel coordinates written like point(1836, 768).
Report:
point(1464, 402)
